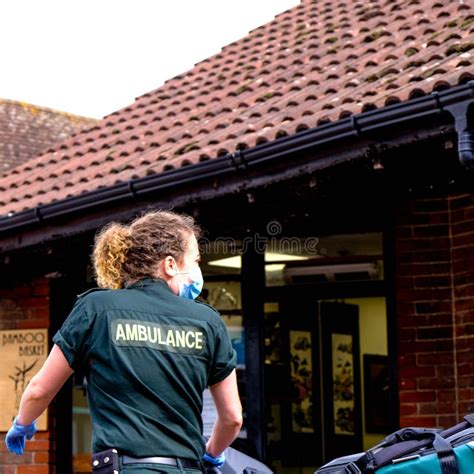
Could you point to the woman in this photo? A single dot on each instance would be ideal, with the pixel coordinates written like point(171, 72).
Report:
point(148, 351)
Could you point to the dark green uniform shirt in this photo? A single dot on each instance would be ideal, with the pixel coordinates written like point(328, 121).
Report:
point(147, 355)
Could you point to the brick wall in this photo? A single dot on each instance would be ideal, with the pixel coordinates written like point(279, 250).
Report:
point(26, 306)
point(435, 309)
point(463, 275)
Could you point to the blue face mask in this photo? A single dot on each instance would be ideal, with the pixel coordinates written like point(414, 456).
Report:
point(191, 290)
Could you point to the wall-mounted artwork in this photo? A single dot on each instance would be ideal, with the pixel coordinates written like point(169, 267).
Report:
point(23, 354)
point(343, 383)
point(302, 381)
point(341, 375)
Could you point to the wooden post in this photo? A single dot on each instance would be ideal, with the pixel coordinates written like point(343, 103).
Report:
point(253, 298)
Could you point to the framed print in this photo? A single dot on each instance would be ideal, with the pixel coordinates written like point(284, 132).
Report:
point(302, 381)
point(341, 379)
point(343, 383)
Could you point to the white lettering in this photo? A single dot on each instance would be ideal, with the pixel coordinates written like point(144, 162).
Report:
point(131, 332)
point(148, 334)
point(180, 339)
point(170, 339)
point(141, 333)
point(188, 343)
point(152, 336)
point(120, 333)
point(199, 340)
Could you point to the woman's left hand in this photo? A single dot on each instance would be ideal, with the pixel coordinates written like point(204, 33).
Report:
point(15, 438)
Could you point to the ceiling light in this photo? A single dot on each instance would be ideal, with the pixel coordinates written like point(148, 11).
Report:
point(236, 261)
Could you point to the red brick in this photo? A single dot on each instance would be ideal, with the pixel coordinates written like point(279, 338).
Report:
point(466, 394)
point(417, 396)
point(425, 421)
point(13, 459)
point(431, 231)
point(41, 289)
point(37, 444)
point(445, 370)
point(41, 458)
point(445, 421)
point(406, 360)
point(462, 253)
point(466, 407)
point(435, 359)
point(463, 240)
point(464, 302)
point(33, 469)
point(423, 294)
point(440, 319)
point(433, 307)
point(407, 372)
point(465, 382)
point(405, 282)
point(35, 302)
point(407, 334)
point(435, 408)
point(405, 308)
point(33, 324)
point(409, 321)
point(465, 356)
point(417, 347)
point(408, 409)
point(433, 255)
point(463, 227)
point(7, 469)
point(21, 291)
point(435, 333)
point(464, 343)
point(407, 384)
point(445, 395)
point(424, 383)
point(41, 312)
point(460, 201)
point(433, 282)
point(443, 345)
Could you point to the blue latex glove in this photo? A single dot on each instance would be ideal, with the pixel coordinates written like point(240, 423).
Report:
point(216, 462)
point(15, 438)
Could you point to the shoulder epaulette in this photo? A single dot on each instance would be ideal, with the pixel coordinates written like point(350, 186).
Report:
point(91, 290)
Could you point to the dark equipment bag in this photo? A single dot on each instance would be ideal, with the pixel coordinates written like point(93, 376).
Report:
point(414, 451)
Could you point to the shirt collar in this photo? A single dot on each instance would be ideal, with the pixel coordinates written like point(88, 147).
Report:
point(150, 282)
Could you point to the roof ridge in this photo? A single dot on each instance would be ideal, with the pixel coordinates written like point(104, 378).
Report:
point(32, 107)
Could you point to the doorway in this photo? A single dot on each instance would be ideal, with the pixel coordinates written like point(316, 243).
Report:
point(313, 372)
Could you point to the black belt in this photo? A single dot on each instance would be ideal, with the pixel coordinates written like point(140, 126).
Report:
point(186, 463)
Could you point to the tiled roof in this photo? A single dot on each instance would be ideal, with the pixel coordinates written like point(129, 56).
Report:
point(27, 130)
point(317, 62)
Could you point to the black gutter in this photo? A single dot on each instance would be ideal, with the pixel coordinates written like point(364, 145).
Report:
point(348, 128)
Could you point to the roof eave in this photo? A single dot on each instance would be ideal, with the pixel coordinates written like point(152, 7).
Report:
point(453, 100)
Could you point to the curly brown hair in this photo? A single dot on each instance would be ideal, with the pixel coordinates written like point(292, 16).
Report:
point(125, 253)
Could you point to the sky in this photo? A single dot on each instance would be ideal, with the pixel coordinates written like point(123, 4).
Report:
point(93, 57)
